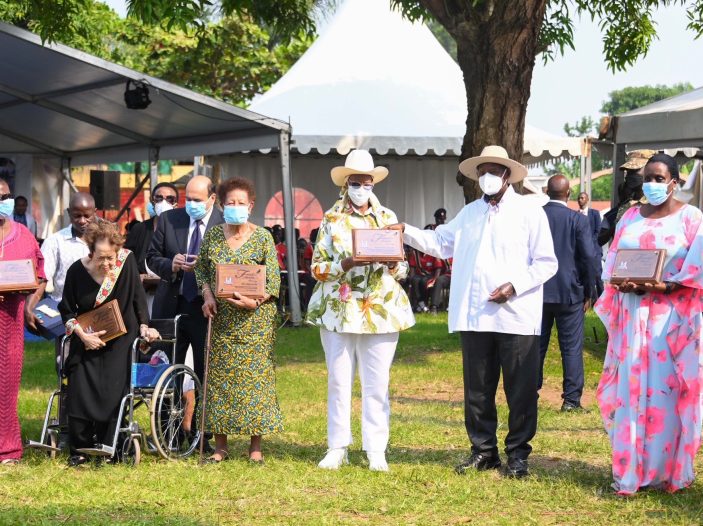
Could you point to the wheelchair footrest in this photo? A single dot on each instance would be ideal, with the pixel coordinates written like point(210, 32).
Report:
point(38, 445)
point(100, 450)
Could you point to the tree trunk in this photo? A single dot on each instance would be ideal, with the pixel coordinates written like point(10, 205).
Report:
point(497, 42)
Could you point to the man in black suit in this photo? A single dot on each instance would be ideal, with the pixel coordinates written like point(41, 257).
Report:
point(172, 255)
point(567, 294)
point(594, 222)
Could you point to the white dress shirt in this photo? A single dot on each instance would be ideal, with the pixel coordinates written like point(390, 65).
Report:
point(491, 246)
point(60, 251)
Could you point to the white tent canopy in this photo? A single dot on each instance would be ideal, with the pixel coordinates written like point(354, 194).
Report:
point(374, 80)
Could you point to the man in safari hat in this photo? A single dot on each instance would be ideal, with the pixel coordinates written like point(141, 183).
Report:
point(503, 254)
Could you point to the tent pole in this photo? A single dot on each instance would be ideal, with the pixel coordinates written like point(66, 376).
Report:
point(618, 175)
point(289, 215)
point(589, 168)
point(153, 168)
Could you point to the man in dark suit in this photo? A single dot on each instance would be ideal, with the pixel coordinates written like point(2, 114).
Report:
point(595, 223)
point(164, 197)
point(172, 255)
point(567, 294)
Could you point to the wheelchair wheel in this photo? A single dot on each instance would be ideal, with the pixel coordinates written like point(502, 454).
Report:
point(131, 453)
point(173, 410)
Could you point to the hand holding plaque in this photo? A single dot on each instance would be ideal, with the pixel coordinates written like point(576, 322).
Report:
point(106, 318)
point(18, 275)
point(246, 280)
point(638, 266)
point(377, 245)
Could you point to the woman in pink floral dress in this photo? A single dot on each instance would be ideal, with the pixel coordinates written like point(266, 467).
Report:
point(649, 394)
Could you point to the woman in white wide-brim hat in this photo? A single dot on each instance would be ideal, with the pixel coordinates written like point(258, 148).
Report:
point(360, 309)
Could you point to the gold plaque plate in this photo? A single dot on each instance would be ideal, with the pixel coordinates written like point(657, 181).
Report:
point(379, 245)
point(247, 280)
point(106, 318)
point(638, 266)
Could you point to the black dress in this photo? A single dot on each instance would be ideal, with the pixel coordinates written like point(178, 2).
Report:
point(98, 379)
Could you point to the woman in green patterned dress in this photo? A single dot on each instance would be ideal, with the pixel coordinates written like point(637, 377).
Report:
point(241, 378)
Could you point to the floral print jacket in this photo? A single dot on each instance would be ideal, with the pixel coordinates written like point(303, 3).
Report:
point(366, 299)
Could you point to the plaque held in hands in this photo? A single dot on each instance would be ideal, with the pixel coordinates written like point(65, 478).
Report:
point(18, 275)
point(639, 266)
point(106, 318)
point(377, 245)
point(247, 280)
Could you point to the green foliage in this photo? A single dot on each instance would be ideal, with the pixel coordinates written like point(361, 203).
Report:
point(231, 59)
point(581, 128)
point(602, 188)
point(630, 98)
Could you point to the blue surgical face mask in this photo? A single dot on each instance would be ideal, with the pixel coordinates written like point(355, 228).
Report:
point(7, 207)
point(656, 193)
point(236, 214)
point(196, 210)
point(150, 209)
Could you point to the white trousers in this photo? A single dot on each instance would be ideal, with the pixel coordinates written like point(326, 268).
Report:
point(373, 355)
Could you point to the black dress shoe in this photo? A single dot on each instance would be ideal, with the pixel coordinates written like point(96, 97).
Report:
point(570, 407)
point(479, 462)
point(517, 468)
point(77, 460)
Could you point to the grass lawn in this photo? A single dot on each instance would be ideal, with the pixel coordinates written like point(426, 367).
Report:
point(570, 462)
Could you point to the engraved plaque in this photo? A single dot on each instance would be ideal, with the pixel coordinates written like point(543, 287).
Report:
point(107, 318)
point(18, 275)
point(377, 245)
point(638, 266)
point(247, 280)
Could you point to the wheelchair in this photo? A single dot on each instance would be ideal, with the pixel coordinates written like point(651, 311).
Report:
point(170, 392)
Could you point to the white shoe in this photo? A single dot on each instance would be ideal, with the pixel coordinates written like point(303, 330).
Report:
point(334, 458)
point(377, 461)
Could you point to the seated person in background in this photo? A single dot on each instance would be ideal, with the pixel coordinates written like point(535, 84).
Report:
point(439, 283)
point(422, 269)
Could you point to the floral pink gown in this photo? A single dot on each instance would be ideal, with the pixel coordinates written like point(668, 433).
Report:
point(649, 393)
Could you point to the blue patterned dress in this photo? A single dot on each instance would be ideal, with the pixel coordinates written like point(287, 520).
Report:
point(241, 378)
point(649, 393)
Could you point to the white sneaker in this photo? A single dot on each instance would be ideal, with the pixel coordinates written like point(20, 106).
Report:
point(377, 461)
point(334, 458)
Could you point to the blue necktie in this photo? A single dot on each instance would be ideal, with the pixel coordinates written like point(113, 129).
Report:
point(190, 286)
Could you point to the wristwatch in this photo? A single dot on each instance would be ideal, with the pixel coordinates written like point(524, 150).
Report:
point(669, 287)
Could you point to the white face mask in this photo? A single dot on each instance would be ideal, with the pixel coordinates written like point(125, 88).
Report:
point(359, 196)
point(162, 206)
point(491, 184)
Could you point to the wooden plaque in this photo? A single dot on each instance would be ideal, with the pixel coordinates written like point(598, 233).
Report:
point(18, 275)
point(377, 245)
point(247, 280)
point(107, 318)
point(638, 266)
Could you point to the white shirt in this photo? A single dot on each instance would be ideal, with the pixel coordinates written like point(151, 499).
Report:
point(584, 211)
point(557, 201)
point(60, 251)
point(191, 228)
point(493, 245)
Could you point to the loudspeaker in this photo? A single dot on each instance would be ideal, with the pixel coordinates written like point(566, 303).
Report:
point(105, 188)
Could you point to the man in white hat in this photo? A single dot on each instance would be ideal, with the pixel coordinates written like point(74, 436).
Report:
point(360, 309)
point(503, 254)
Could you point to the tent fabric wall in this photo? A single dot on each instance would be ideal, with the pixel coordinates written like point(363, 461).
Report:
point(416, 187)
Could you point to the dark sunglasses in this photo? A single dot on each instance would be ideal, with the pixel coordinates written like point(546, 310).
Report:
point(5, 196)
point(170, 199)
point(355, 184)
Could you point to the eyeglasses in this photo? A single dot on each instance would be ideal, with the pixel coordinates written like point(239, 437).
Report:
point(357, 185)
point(5, 196)
point(170, 199)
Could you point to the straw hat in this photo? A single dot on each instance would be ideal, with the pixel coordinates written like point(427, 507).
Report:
point(493, 154)
point(636, 159)
point(358, 162)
